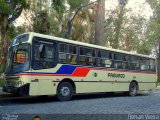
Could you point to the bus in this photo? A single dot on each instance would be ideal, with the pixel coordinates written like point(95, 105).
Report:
point(46, 65)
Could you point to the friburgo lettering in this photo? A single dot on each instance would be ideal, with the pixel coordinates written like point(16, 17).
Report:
point(114, 75)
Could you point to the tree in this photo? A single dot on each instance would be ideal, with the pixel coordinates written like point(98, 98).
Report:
point(99, 23)
point(118, 27)
point(9, 11)
point(127, 31)
point(154, 31)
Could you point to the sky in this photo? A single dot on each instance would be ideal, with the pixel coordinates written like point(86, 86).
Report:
point(138, 6)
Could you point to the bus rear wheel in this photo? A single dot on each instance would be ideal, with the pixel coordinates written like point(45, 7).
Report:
point(133, 88)
point(64, 91)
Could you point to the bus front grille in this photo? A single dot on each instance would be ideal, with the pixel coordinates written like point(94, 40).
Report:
point(11, 80)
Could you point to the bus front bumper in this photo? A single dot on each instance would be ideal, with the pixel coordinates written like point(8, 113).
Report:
point(10, 89)
point(23, 90)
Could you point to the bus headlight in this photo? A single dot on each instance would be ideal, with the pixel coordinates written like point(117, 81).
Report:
point(19, 83)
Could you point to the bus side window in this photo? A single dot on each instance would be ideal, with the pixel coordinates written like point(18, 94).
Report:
point(118, 60)
point(42, 51)
point(90, 57)
point(133, 62)
point(43, 56)
point(152, 65)
point(72, 55)
point(104, 58)
point(144, 64)
point(87, 56)
point(63, 52)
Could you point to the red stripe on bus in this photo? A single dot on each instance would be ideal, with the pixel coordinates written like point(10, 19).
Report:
point(81, 72)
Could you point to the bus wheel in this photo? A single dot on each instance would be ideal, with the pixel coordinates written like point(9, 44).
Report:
point(133, 88)
point(64, 91)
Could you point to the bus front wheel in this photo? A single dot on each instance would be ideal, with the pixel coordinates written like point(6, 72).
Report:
point(133, 88)
point(64, 91)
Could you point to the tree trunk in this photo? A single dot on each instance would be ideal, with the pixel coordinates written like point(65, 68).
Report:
point(99, 23)
point(4, 42)
point(158, 62)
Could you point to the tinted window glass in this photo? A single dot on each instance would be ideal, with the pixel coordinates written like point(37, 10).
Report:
point(117, 56)
point(144, 64)
point(72, 49)
point(104, 58)
point(43, 54)
point(87, 56)
point(63, 48)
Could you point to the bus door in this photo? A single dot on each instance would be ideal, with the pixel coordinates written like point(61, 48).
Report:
point(43, 62)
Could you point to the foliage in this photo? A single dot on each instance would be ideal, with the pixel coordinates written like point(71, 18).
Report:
point(1, 82)
point(122, 30)
point(59, 6)
point(9, 11)
point(41, 24)
point(132, 32)
point(154, 31)
point(75, 4)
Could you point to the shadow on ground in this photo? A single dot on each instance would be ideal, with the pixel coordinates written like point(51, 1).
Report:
point(14, 100)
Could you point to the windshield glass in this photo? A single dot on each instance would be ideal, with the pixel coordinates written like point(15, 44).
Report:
point(19, 58)
point(19, 39)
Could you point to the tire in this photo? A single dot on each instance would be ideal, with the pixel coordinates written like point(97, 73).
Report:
point(64, 91)
point(133, 88)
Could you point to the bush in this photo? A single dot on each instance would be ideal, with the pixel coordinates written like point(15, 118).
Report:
point(1, 82)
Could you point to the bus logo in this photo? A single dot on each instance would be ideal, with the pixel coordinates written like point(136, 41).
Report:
point(114, 75)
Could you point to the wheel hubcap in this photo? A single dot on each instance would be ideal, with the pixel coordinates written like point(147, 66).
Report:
point(65, 91)
point(133, 89)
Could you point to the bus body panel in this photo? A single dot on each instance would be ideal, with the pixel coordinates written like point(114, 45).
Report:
point(47, 81)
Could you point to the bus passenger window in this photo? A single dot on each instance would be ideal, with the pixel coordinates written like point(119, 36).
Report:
point(71, 59)
point(43, 56)
point(144, 64)
point(62, 57)
point(104, 58)
point(152, 65)
point(87, 56)
point(72, 55)
point(63, 51)
point(133, 62)
point(42, 51)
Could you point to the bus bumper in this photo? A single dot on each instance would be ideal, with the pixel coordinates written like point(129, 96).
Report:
point(23, 90)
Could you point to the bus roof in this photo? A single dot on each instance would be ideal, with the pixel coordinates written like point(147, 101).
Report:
point(84, 44)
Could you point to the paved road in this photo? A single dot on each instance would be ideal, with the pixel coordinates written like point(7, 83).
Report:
point(85, 104)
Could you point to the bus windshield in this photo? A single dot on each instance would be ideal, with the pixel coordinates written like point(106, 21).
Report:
point(19, 58)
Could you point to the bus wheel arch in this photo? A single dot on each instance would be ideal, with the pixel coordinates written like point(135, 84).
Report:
point(71, 82)
point(133, 88)
point(65, 90)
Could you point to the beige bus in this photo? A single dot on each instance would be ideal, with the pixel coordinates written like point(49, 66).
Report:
point(45, 65)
